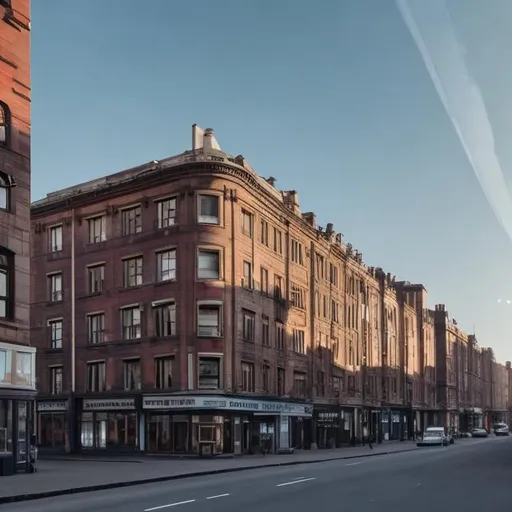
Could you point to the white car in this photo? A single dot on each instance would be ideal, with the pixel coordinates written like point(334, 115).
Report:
point(501, 429)
point(434, 436)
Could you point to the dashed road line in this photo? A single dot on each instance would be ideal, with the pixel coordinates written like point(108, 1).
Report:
point(293, 482)
point(160, 507)
point(353, 464)
point(217, 496)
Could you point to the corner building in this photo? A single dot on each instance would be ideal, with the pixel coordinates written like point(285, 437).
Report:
point(17, 357)
point(162, 310)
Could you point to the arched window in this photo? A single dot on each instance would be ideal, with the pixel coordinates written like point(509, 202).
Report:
point(5, 192)
point(5, 122)
point(6, 283)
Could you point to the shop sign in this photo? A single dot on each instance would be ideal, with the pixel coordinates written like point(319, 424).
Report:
point(328, 417)
point(228, 404)
point(108, 404)
point(52, 406)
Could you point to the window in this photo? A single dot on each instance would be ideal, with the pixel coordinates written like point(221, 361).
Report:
point(163, 372)
point(265, 377)
point(248, 377)
point(6, 284)
point(208, 209)
point(297, 255)
point(132, 272)
point(209, 373)
point(55, 287)
point(55, 328)
point(96, 328)
point(249, 325)
point(5, 191)
point(280, 333)
point(96, 278)
point(264, 232)
point(264, 281)
point(209, 320)
point(5, 113)
point(333, 275)
point(320, 383)
point(165, 319)
point(132, 375)
point(132, 325)
point(298, 341)
point(265, 331)
point(55, 238)
point(278, 287)
point(278, 241)
point(247, 279)
point(298, 297)
point(335, 311)
point(97, 231)
point(56, 380)
point(208, 264)
point(281, 382)
point(247, 224)
point(320, 266)
point(132, 220)
point(96, 377)
point(166, 265)
point(166, 213)
point(299, 384)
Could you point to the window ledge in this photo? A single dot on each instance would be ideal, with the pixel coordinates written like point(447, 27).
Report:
point(54, 303)
point(9, 322)
point(162, 283)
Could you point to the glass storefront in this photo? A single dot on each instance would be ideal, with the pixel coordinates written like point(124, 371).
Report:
point(6, 423)
point(108, 430)
point(184, 433)
point(53, 430)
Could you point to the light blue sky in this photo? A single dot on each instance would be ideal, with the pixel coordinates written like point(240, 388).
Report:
point(332, 98)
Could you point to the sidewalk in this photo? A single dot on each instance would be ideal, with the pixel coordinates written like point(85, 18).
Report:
point(58, 477)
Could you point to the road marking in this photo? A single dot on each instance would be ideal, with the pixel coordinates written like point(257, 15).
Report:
point(293, 482)
point(218, 496)
point(299, 478)
point(169, 505)
point(353, 464)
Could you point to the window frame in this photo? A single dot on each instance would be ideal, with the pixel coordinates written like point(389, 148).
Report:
point(203, 219)
point(7, 271)
point(56, 343)
point(158, 310)
point(128, 222)
point(99, 367)
point(159, 260)
point(160, 218)
point(54, 293)
point(91, 229)
point(4, 108)
point(210, 250)
point(132, 331)
point(90, 275)
point(57, 228)
point(210, 305)
point(91, 318)
point(53, 385)
point(126, 267)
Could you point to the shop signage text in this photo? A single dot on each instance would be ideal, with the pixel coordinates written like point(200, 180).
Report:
point(228, 404)
point(53, 406)
point(109, 404)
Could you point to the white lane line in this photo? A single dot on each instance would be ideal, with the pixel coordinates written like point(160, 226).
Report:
point(353, 464)
point(168, 505)
point(299, 478)
point(293, 482)
point(218, 496)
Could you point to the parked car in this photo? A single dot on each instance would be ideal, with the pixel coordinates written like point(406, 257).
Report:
point(435, 436)
point(501, 429)
point(479, 432)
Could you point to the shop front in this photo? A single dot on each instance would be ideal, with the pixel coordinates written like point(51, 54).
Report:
point(215, 425)
point(108, 424)
point(17, 397)
point(52, 425)
point(328, 426)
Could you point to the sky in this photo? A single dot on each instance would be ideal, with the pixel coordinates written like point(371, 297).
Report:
point(332, 98)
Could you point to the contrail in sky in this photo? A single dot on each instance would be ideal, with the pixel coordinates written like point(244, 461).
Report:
point(431, 27)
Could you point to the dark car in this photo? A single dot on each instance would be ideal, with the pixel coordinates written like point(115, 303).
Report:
point(479, 432)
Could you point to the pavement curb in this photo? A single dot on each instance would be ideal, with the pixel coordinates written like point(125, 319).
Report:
point(155, 480)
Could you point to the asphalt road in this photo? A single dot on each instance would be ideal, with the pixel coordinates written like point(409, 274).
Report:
point(472, 475)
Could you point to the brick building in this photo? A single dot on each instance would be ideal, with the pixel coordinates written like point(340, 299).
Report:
point(17, 358)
